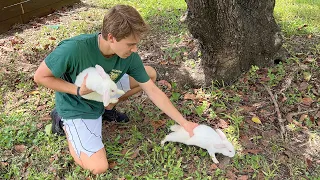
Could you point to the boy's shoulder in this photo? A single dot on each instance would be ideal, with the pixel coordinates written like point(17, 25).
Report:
point(82, 38)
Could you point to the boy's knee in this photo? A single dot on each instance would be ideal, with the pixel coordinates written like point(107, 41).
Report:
point(151, 72)
point(102, 168)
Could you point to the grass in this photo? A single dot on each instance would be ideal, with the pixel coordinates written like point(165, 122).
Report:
point(134, 150)
point(298, 16)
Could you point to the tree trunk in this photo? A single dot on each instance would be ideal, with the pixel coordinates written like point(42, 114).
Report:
point(233, 35)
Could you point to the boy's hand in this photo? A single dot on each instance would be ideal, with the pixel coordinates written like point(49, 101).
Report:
point(83, 89)
point(189, 126)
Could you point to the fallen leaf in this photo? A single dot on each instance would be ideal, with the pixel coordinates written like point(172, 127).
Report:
point(124, 151)
point(222, 124)
point(220, 110)
point(284, 98)
point(163, 62)
point(309, 163)
point(165, 83)
point(252, 151)
point(235, 170)
point(265, 79)
point(256, 120)
point(247, 108)
point(39, 125)
point(300, 28)
point(243, 177)
point(4, 164)
point(157, 124)
point(45, 118)
point(52, 169)
point(265, 143)
point(307, 76)
point(39, 108)
point(309, 60)
point(135, 154)
point(52, 38)
point(112, 164)
point(259, 105)
point(34, 92)
point(20, 148)
point(260, 175)
point(230, 175)
point(52, 158)
point(189, 96)
point(46, 47)
point(213, 167)
point(248, 169)
point(122, 140)
point(303, 117)
point(307, 101)
point(303, 86)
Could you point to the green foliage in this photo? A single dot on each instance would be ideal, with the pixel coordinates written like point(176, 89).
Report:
point(200, 109)
point(175, 96)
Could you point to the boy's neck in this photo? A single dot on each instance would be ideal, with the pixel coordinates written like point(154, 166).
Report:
point(104, 47)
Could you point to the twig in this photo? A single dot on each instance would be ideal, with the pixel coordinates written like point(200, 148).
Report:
point(255, 127)
point(280, 120)
point(290, 115)
point(303, 112)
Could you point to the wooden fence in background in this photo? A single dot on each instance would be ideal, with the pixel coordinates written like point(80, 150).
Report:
point(21, 11)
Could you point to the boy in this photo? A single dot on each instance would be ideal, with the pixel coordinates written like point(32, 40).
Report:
point(115, 50)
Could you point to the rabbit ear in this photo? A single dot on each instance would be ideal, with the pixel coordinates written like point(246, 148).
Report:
point(106, 98)
point(221, 134)
point(101, 71)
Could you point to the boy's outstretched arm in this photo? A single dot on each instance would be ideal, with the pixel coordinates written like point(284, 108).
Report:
point(160, 99)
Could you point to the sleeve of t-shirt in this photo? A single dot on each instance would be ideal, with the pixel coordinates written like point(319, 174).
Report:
point(137, 70)
point(60, 60)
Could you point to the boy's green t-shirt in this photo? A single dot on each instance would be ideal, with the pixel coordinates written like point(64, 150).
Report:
point(74, 55)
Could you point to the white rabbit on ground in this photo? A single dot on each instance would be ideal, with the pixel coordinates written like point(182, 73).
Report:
point(102, 85)
point(214, 141)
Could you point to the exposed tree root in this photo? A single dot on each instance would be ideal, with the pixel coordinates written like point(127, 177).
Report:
point(280, 120)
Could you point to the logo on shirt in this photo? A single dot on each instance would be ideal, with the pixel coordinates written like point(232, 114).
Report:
point(114, 74)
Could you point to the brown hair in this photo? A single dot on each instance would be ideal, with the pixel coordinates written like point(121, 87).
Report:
point(122, 21)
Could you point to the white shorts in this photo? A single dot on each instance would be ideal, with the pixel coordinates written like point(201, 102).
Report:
point(85, 134)
point(123, 84)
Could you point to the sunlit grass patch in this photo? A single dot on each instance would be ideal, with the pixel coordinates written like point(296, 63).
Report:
point(161, 15)
point(298, 16)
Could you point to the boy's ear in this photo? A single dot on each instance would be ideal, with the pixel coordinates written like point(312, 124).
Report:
point(111, 38)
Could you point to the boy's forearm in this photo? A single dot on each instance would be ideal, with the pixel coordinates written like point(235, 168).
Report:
point(162, 101)
point(57, 84)
point(44, 76)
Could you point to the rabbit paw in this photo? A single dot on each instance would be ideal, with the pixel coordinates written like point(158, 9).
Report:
point(162, 142)
point(215, 160)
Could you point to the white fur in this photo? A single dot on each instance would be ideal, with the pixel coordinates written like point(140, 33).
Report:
point(214, 141)
point(102, 85)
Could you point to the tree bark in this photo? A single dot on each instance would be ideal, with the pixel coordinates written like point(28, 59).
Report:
point(233, 35)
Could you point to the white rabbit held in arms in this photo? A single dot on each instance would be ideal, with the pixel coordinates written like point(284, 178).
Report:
point(214, 141)
point(102, 85)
